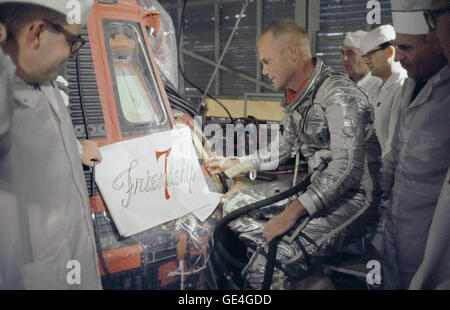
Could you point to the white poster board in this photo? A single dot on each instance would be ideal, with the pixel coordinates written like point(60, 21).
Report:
point(154, 179)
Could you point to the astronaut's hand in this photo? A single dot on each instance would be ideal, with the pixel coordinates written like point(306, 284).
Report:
point(220, 164)
point(91, 154)
point(284, 221)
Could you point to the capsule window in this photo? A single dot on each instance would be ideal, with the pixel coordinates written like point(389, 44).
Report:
point(138, 97)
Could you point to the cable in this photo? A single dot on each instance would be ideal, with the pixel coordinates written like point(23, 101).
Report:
point(218, 232)
point(271, 257)
point(185, 77)
point(216, 68)
point(177, 101)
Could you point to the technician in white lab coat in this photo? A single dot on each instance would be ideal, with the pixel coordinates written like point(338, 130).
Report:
point(417, 163)
point(354, 65)
point(8, 202)
point(379, 53)
point(55, 247)
point(434, 272)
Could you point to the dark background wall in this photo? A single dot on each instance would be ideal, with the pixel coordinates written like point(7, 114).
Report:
point(208, 23)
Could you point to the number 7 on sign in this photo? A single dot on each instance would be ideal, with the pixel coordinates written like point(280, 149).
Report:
point(158, 155)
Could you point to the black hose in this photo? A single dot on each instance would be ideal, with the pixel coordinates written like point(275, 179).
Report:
point(219, 230)
point(182, 108)
point(179, 104)
point(176, 100)
point(271, 256)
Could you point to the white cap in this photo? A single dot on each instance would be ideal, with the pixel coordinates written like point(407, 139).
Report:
point(77, 11)
point(376, 37)
point(352, 39)
point(407, 16)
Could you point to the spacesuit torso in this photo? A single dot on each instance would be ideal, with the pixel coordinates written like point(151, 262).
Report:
point(330, 120)
point(337, 128)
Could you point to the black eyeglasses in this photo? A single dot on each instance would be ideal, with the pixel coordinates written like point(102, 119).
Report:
point(381, 47)
point(75, 41)
point(430, 16)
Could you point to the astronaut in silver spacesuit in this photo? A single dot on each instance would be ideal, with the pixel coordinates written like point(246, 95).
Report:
point(328, 119)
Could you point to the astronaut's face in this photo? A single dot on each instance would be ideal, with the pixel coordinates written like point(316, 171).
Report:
point(275, 60)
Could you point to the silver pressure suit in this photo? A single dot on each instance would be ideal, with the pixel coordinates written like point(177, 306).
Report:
point(330, 120)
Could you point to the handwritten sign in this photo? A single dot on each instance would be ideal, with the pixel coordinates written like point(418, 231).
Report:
point(151, 180)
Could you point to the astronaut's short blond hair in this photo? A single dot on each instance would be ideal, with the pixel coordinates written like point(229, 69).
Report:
point(281, 27)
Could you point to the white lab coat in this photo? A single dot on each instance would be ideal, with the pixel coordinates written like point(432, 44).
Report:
point(414, 172)
point(387, 99)
point(370, 84)
point(8, 200)
point(7, 71)
point(52, 219)
point(435, 268)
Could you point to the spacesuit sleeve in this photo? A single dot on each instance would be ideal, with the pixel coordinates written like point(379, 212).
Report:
point(271, 156)
point(347, 121)
point(7, 71)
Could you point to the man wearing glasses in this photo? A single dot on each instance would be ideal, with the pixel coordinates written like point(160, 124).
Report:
point(417, 163)
point(379, 53)
point(434, 272)
point(48, 233)
point(439, 23)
